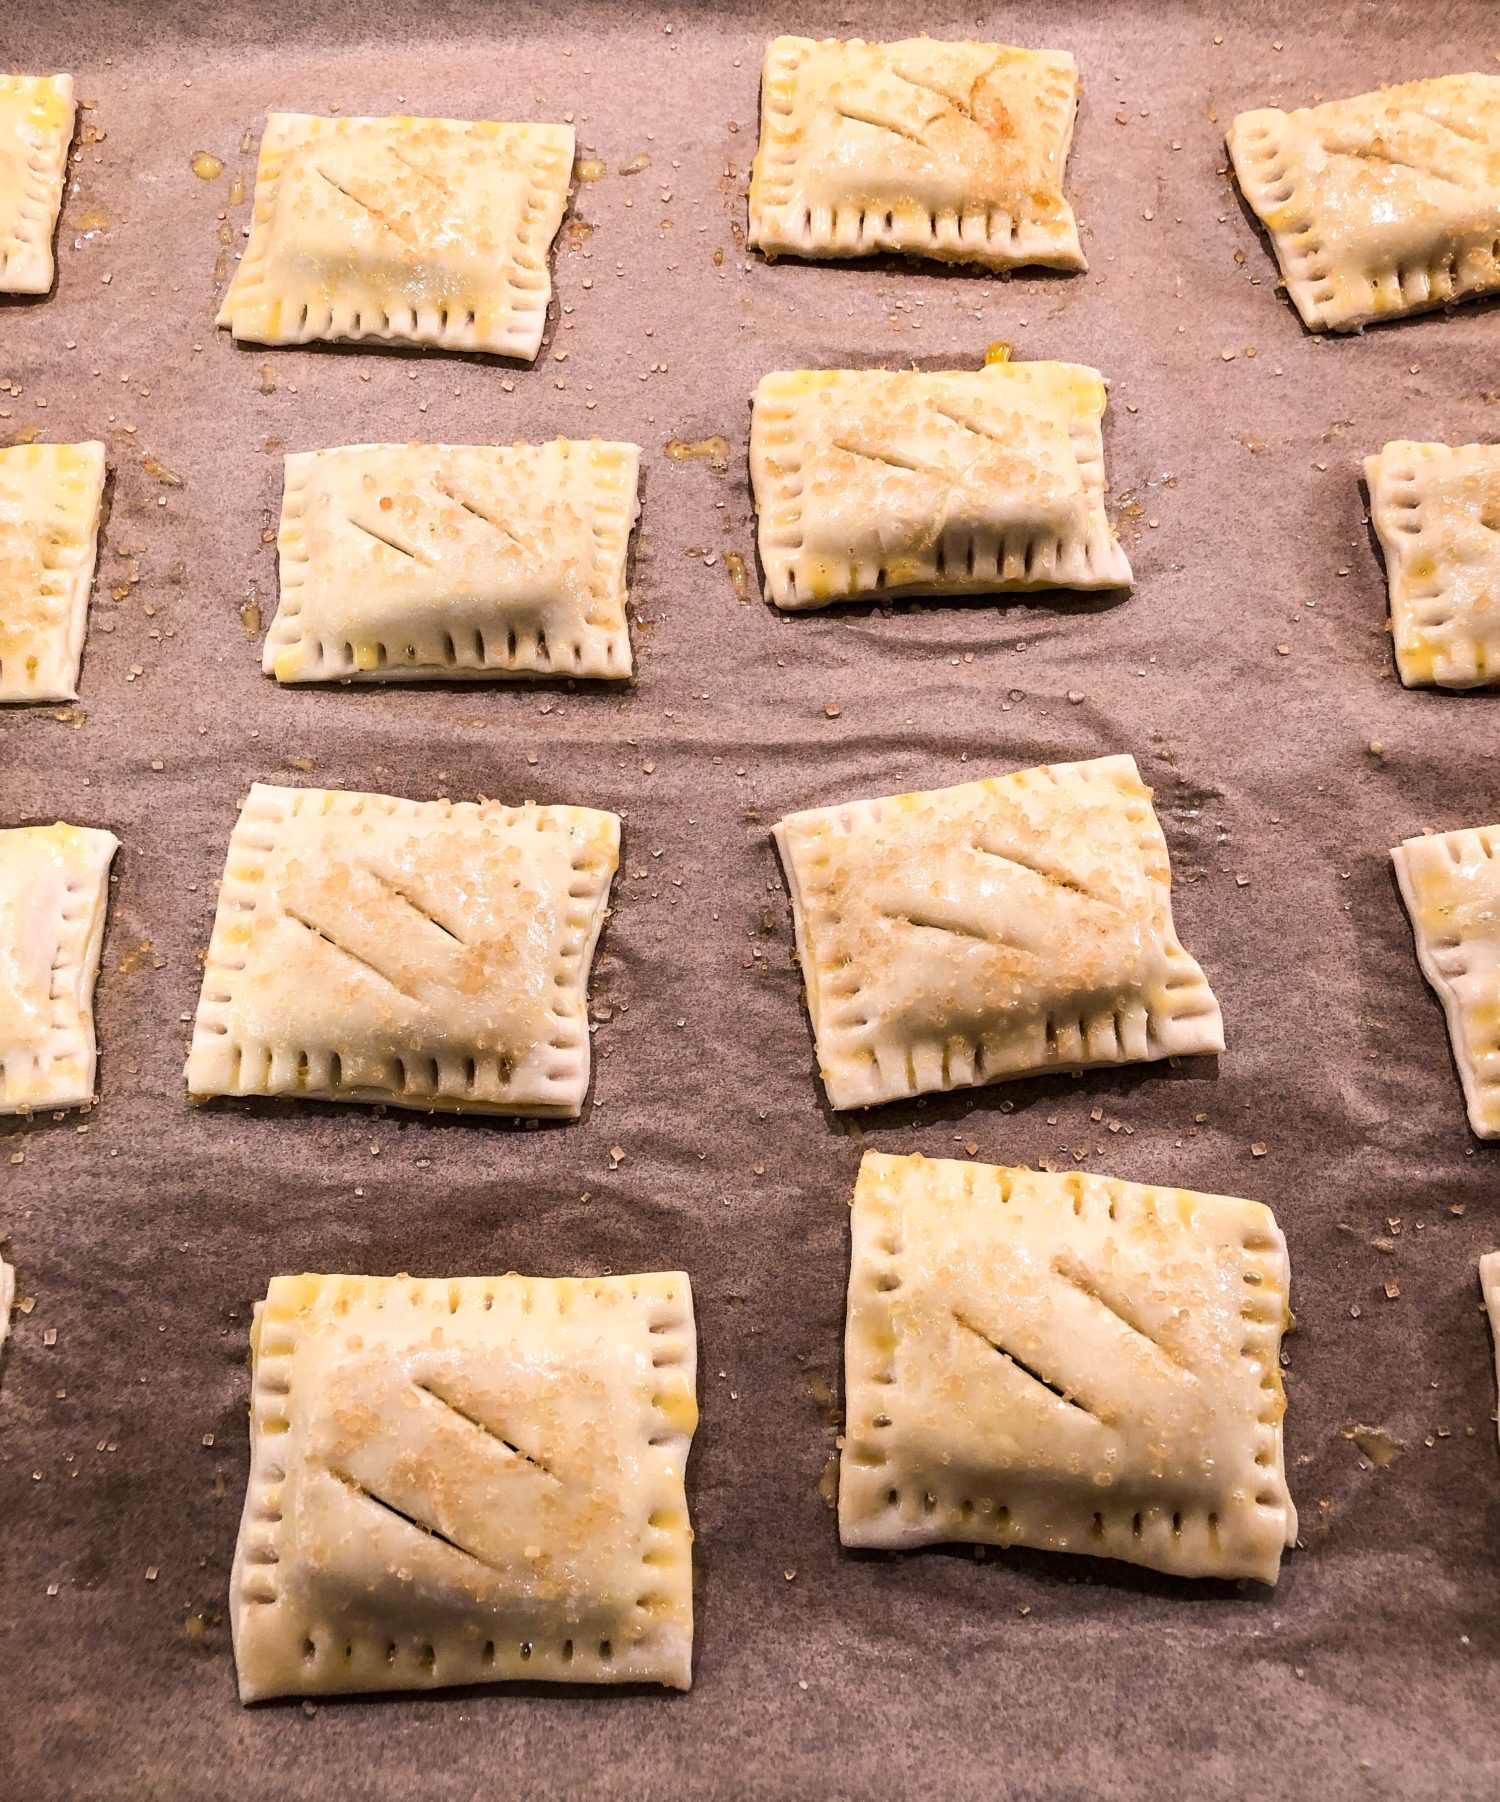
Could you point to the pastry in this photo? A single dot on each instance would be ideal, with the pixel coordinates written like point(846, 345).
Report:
point(1436, 509)
point(36, 128)
point(872, 483)
point(1002, 928)
point(466, 1481)
point(51, 497)
point(54, 892)
point(426, 231)
point(1450, 882)
point(934, 149)
point(427, 954)
point(1382, 205)
point(454, 561)
point(1068, 1362)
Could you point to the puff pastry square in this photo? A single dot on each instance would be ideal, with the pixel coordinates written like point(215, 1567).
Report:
point(1489, 1284)
point(467, 1481)
point(51, 497)
point(447, 561)
point(36, 128)
point(430, 231)
point(1067, 1362)
point(1382, 205)
point(427, 954)
point(886, 482)
point(947, 150)
point(998, 929)
point(54, 892)
point(1450, 882)
point(1436, 508)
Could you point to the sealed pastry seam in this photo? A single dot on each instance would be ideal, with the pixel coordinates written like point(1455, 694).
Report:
point(468, 1480)
point(427, 954)
point(428, 231)
point(441, 562)
point(51, 500)
point(1450, 883)
point(954, 151)
point(1381, 205)
point(54, 893)
point(36, 128)
point(878, 482)
point(1064, 1361)
point(1436, 510)
point(999, 929)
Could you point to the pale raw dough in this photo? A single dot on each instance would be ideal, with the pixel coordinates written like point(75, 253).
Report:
point(428, 954)
point(467, 1481)
point(441, 561)
point(1005, 927)
point(1489, 1285)
point(1382, 205)
point(1450, 883)
point(430, 231)
point(1064, 1361)
point(51, 497)
point(36, 128)
point(54, 892)
point(1436, 509)
point(874, 482)
point(935, 149)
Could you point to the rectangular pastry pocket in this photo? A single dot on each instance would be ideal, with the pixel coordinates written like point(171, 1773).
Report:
point(999, 929)
point(1450, 882)
point(1489, 1288)
point(51, 499)
point(408, 561)
point(36, 128)
point(469, 1480)
point(954, 151)
point(1436, 511)
point(1381, 205)
point(425, 954)
point(426, 231)
point(1068, 1362)
point(54, 894)
point(872, 483)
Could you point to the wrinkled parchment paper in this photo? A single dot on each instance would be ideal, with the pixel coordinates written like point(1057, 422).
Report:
point(1250, 673)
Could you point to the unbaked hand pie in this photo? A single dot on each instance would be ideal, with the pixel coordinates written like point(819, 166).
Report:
point(1002, 928)
point(54, 892)
point(1489, 1285)
point(934, 149)
point(36, 127)
point(1067, 1362)
point(1382, 205)
point(875, 482)
point(466, 1481)
point(430, 231)
point(51, 497)
point(1450, 882)
point(427, 954)
point(1436, 508)
point(454, 561)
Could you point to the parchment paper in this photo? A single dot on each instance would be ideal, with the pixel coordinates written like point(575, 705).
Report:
point(1250, 674)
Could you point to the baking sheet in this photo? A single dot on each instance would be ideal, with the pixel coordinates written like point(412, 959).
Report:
point(1249, 673)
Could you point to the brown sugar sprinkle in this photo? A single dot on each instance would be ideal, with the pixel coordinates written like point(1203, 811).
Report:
point(833, 710)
